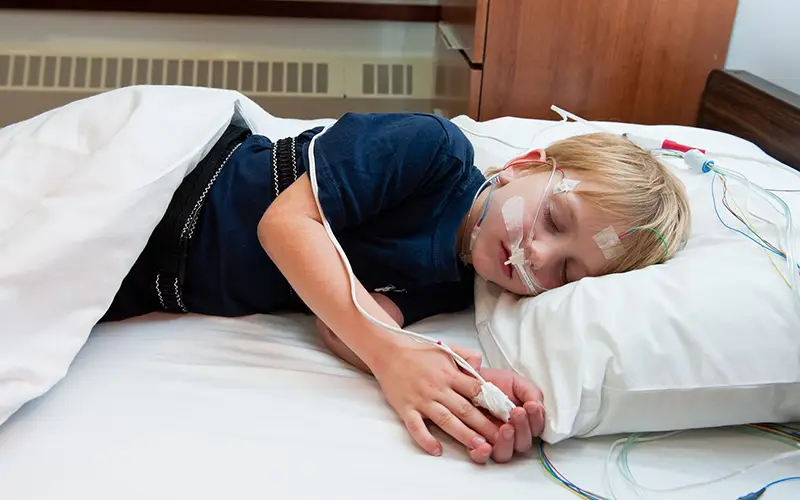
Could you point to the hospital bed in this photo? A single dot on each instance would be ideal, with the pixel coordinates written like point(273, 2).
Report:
point(206, 408)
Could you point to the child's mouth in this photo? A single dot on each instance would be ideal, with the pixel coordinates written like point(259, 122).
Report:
point(506, 254)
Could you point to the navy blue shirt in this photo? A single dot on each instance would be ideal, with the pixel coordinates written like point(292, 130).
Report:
point(394, 187)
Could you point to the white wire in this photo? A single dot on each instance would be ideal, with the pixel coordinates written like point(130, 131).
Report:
point(420, 338)
point(772, 199)
point(565, 116)
point(763, 161)
point(496, 139)
point(788, 233)
point(623, 441)
point(783, 456)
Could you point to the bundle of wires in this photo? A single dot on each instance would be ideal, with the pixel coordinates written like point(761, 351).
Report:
point(749, 231)
point(562, 480)
point(787, 434)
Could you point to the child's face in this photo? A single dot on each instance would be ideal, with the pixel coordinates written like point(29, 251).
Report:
point(562, 249)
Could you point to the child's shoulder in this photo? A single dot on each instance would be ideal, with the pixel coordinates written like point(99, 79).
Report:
point(402, 125)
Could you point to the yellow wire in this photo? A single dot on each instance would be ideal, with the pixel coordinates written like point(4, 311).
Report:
point(775, 431)
point(749, 225)
point(560, 483)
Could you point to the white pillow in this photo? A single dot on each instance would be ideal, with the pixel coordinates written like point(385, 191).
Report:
point(711, 338)
point(81, 189)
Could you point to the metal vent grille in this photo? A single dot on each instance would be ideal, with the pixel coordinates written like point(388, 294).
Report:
point(281, 73)
point(88, 73)
point(386, 79)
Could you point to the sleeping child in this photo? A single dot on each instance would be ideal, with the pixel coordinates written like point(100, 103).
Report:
point(418, 221)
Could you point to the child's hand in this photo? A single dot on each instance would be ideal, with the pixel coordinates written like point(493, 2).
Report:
point(422, 382)
point(527, 420)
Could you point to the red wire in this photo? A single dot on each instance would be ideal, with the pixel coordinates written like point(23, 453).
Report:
point(549, 463)
point(725, 204)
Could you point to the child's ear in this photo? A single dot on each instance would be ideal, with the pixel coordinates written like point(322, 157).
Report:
point(514, 167)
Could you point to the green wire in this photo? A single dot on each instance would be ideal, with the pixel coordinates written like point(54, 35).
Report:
point(657, 233)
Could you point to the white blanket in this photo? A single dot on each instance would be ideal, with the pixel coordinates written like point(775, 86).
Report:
point(81, 189)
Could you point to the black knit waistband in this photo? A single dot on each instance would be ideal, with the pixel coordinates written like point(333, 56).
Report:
point(173, 235)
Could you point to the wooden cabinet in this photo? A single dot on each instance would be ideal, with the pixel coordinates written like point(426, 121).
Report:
point(645, 61)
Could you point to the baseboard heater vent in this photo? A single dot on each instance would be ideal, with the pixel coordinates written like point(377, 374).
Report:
point(321, 76)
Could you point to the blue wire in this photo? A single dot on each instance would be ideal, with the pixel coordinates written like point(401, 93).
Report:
point(486, 207)
point(737, 230)
point(571, 486)
point(758, 494)
point(773, 483)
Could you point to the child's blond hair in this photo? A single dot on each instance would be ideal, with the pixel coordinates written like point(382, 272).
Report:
point(628, 184)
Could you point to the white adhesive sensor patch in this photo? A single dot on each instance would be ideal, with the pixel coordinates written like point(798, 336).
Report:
point(608, 242)
point(565, 186)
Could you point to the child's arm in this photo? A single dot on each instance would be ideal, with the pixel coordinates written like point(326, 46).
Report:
point(419, 381)
point(527, 421)
point(338, 347)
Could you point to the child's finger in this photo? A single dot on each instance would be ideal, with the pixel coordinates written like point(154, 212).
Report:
point(444, 418)
point(481, 454)
point(526, 390)
point(535, 417)
point(523, 441)
point(473, 358)
point(471, 416)
point(504, 448)
point(419, 431)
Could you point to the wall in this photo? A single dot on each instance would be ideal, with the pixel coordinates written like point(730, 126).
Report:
point(204, 34)
point(184, 36)
point(766, 41)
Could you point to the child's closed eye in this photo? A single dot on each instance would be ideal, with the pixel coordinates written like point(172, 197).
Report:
point(548, 218)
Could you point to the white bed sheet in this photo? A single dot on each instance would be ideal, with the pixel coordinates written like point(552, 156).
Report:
point(206, 408)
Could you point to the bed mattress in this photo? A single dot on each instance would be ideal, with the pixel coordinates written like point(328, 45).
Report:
point(206, 408)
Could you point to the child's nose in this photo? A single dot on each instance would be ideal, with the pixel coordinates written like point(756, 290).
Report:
point(539, 254)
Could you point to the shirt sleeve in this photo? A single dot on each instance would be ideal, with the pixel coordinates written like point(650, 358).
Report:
point(440, 298)
point(366, 163)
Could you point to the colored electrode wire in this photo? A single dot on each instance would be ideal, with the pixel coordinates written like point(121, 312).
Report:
point(776, 202)
point(486, 207)
point(562, 480)
point(627, 444)
point(762, 242)
point(654, 230)
point(784, 432)
point(757, 494)
point(788, 234)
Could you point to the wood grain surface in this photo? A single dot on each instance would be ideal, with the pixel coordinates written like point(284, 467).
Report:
point(643, 61)
point(744, 105)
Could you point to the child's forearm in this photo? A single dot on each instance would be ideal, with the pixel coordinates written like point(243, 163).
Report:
point(338, 347)
point(292, 234)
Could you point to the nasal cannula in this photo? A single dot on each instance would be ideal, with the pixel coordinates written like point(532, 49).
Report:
point(699, 161)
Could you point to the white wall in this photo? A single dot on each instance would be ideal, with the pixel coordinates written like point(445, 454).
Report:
point(766, 41)
point(208, 35)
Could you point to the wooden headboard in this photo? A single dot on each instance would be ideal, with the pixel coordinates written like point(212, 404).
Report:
point(744, 105)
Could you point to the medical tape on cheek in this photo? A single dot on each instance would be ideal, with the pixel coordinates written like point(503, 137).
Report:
point(609, 243)
point(513, 215)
